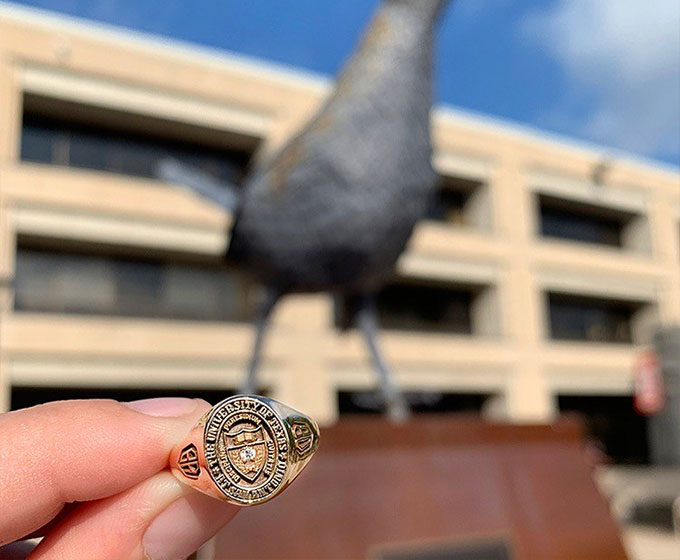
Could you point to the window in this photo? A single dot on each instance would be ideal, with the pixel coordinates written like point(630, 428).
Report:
point(575, 221)
point(432, 307)
point(425, 308)
point(612, 426)
point(371, 402)
point(60, 141)
point(80, 283)
point(460, 201)
point(593, 319)
point(448, 204)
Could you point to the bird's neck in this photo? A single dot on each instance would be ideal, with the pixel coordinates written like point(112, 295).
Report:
point(399, 38)
point(427, 11)
point(402, 22)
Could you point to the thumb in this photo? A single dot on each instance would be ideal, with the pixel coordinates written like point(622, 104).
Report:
point(73, 451)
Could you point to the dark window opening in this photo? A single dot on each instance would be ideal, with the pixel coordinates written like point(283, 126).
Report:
point(100, 145)
point(426, 308)
point(585, 223)
point(23, 397)
point(371, 402)
point(434, 308)
point(591, 319)
point(612, 426)
point(450, 201)
point(97, 284)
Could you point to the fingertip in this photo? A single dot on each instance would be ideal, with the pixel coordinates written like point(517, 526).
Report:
point(166, 407)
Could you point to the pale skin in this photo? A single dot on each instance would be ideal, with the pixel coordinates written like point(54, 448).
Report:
point(91, 478)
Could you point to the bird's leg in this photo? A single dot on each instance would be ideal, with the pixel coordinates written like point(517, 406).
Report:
point(367, 322)
point(261, 324)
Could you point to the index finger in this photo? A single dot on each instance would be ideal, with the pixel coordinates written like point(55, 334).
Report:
point(82, 450)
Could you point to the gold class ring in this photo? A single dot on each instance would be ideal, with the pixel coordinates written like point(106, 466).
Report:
point(245, 450)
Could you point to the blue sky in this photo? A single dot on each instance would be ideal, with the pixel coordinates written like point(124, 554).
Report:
point(606, 71)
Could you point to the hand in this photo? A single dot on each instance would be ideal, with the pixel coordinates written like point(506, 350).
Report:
point(89, 476)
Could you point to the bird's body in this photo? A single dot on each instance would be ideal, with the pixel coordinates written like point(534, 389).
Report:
point(334, 209)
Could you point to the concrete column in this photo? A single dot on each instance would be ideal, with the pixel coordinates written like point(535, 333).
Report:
point(10, 113)
point(10, 135)
point(665, 232)
point(527, 397)
point(5, 386)
point(7, 251)
point(304, 382)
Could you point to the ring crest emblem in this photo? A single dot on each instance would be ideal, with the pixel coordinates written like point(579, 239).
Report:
point(246, 451)
point(253, 448)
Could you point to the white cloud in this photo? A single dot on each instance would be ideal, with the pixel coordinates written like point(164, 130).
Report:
point(623, 56)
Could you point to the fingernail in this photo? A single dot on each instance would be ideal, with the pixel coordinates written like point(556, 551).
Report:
point(167, 406)
point(184, 526)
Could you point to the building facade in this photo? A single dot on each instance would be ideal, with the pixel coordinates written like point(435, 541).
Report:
point(540, 273)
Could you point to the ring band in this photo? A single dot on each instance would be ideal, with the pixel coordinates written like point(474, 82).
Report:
point(245, 450)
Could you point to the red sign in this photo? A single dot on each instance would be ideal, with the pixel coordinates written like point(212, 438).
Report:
point(649, 391)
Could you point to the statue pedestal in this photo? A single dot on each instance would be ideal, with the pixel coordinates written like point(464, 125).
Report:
point(433, 488)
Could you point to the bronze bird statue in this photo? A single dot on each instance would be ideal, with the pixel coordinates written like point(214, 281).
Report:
point(333, 210)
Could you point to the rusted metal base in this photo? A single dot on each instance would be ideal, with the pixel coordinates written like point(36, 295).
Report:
point(380, 490)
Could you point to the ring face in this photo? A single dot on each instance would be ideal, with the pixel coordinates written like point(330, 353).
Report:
point(246, 450)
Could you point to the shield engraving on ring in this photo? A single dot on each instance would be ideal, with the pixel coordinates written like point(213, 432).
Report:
point(249, 449)
point(246, 450)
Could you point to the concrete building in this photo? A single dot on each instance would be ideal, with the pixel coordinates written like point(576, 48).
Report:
point(541, 272)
